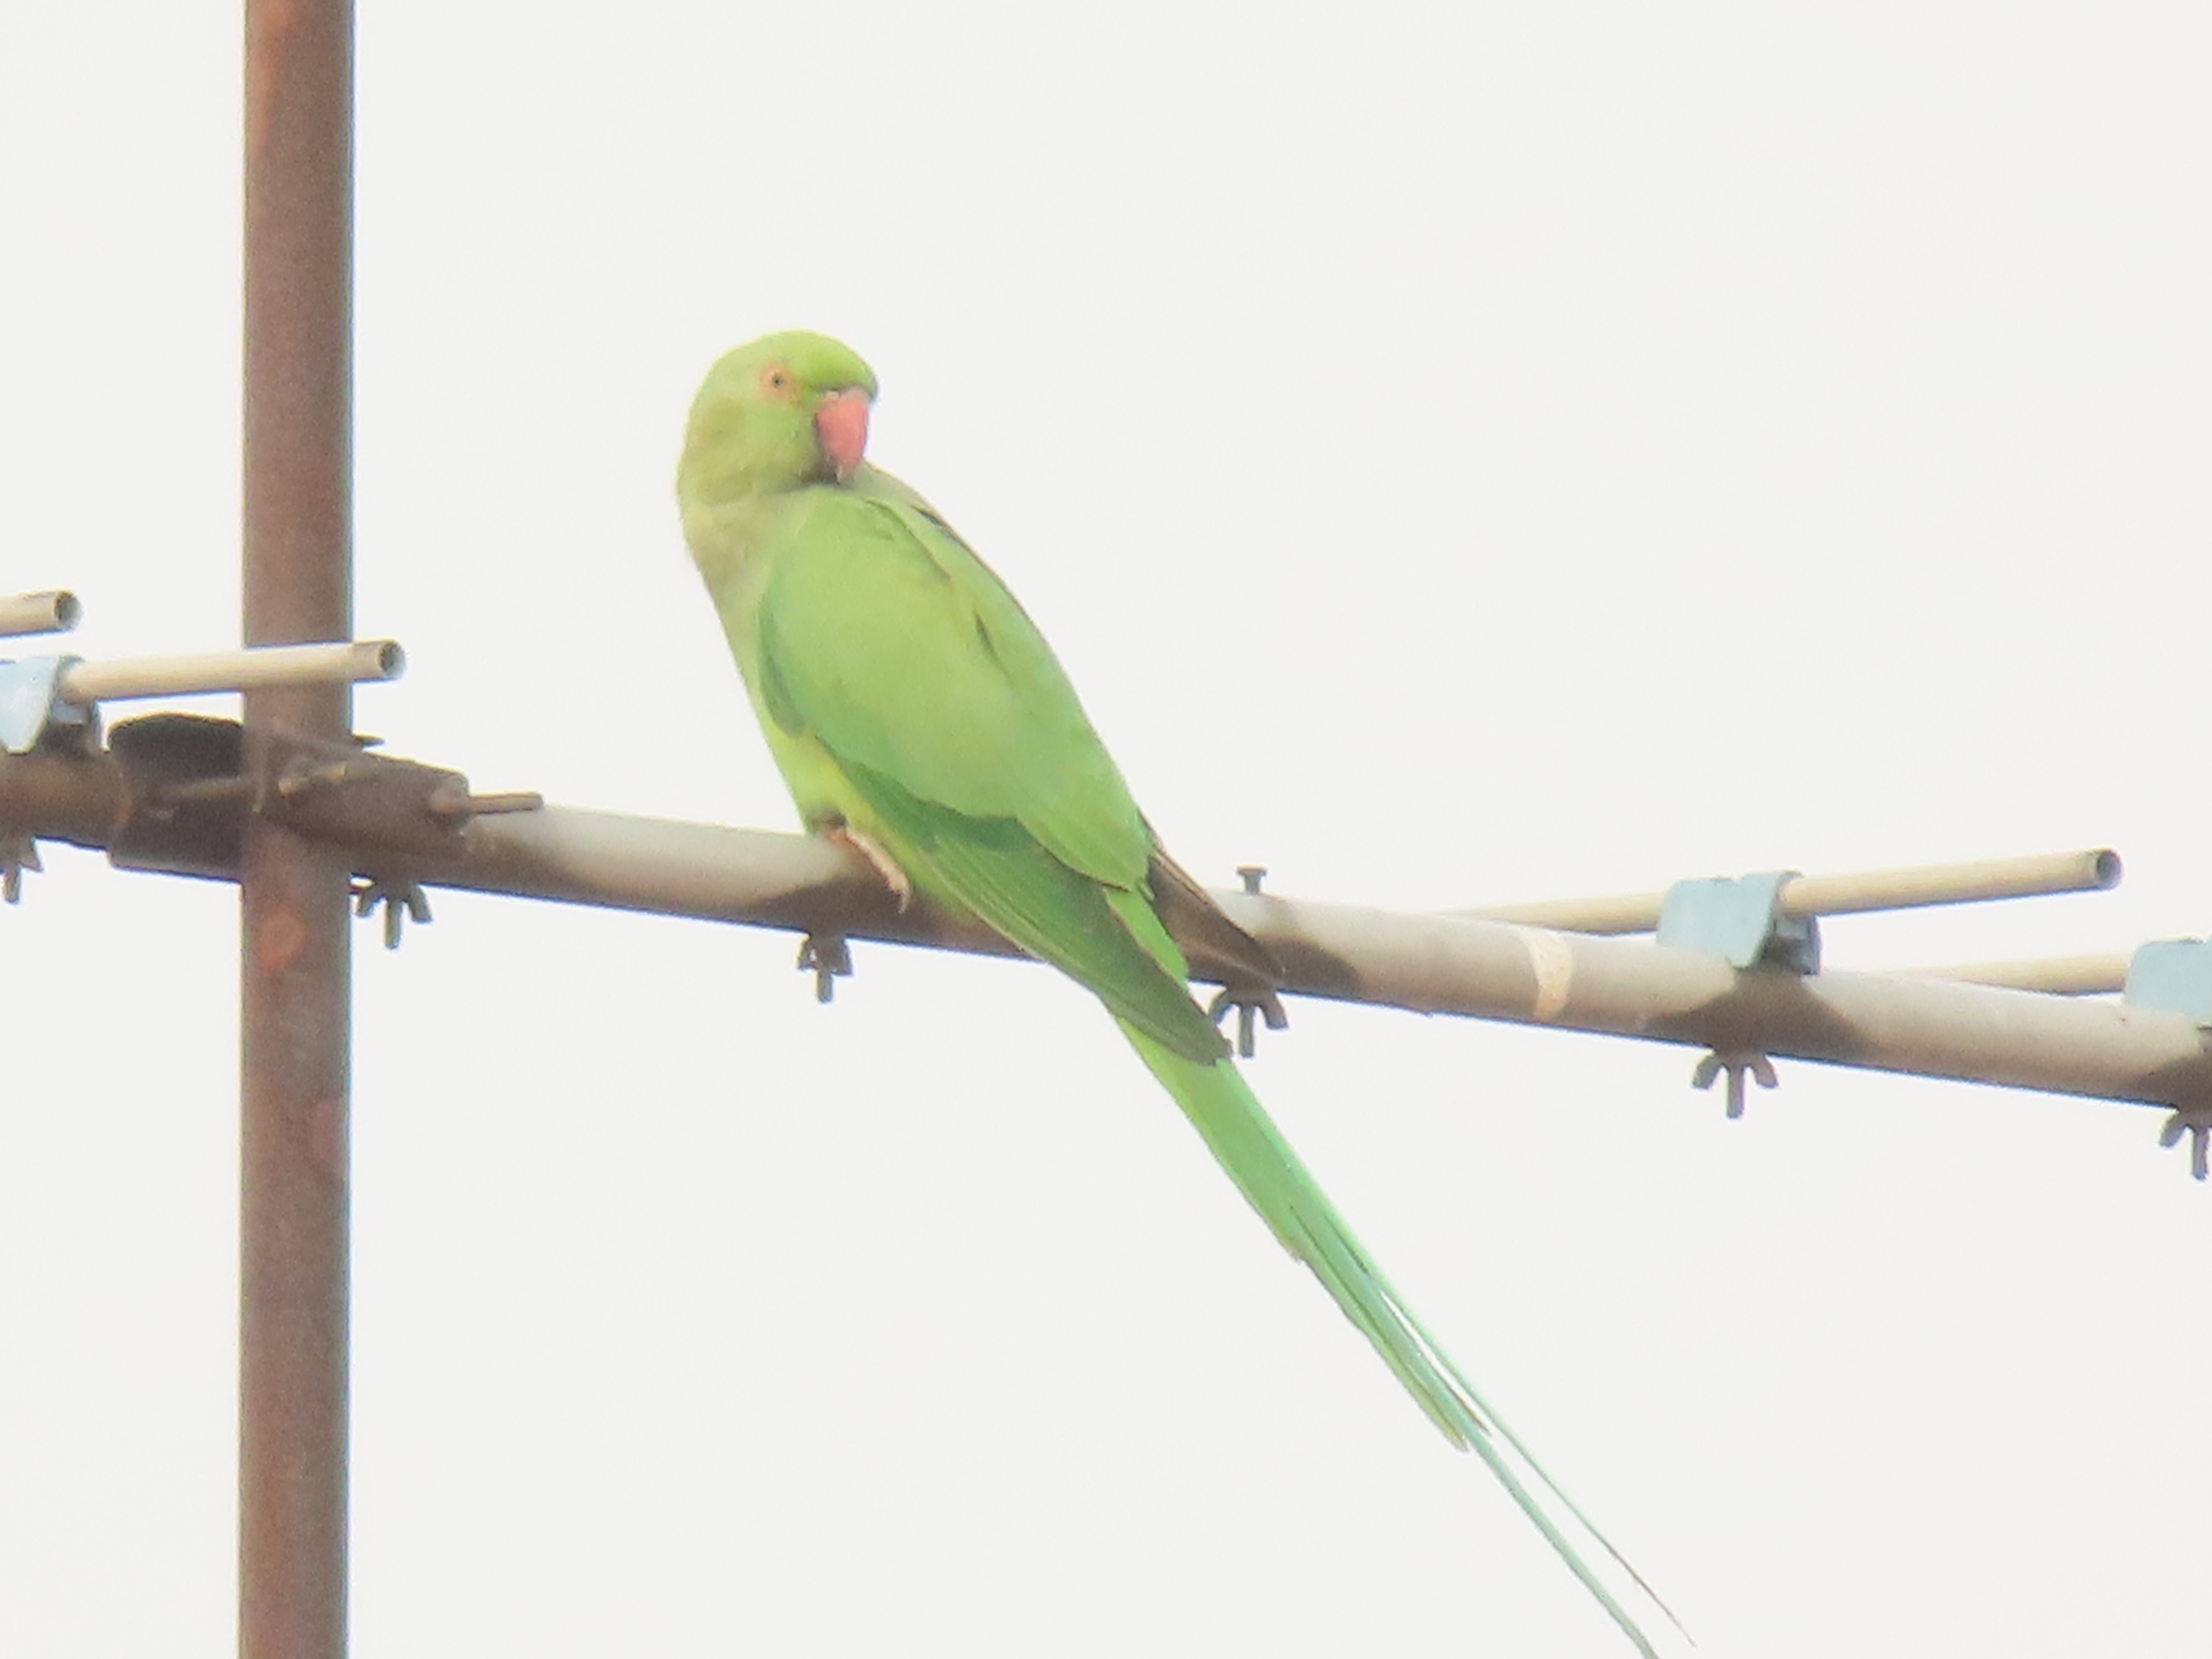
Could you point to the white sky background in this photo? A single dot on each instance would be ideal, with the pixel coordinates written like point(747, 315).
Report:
point(1461, 459)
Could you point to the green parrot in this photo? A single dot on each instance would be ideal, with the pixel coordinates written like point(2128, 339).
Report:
point(921, 721)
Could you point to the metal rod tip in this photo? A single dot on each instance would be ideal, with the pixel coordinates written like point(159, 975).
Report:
point(50, 610)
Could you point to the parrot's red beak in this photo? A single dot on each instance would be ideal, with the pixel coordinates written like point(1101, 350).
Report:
point(841, 425)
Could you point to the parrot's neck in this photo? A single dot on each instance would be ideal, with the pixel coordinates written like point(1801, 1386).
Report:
point(726, 534)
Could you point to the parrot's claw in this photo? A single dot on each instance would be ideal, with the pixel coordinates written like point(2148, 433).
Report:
point(1248, 1000)
point(827, 956)
point(1737, 1063)
point(882, 863)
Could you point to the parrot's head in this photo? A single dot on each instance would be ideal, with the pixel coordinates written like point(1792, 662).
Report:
point(789, 409)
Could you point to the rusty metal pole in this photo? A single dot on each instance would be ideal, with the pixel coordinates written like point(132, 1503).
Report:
point(294, 980)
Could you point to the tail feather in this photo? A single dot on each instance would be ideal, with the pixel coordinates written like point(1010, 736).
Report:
point(1246, 1143)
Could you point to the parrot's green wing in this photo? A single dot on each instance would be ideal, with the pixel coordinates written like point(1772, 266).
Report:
point(893, 643)
point(885, 641)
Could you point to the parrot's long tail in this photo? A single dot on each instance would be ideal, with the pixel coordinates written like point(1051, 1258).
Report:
point(1247, 1144)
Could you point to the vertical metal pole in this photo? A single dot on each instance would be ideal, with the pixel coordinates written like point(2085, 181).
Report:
point(294, 994)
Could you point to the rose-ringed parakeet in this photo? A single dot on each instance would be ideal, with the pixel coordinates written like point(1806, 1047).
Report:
point(920, 719)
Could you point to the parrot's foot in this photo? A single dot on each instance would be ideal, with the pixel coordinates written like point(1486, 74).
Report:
point(881, 862)
point(826, 956)
point(1248, 1000)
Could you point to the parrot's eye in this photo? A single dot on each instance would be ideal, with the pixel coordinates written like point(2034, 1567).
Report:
point(776, 380)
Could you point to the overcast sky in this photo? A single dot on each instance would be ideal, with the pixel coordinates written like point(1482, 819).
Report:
point(1463, 454)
